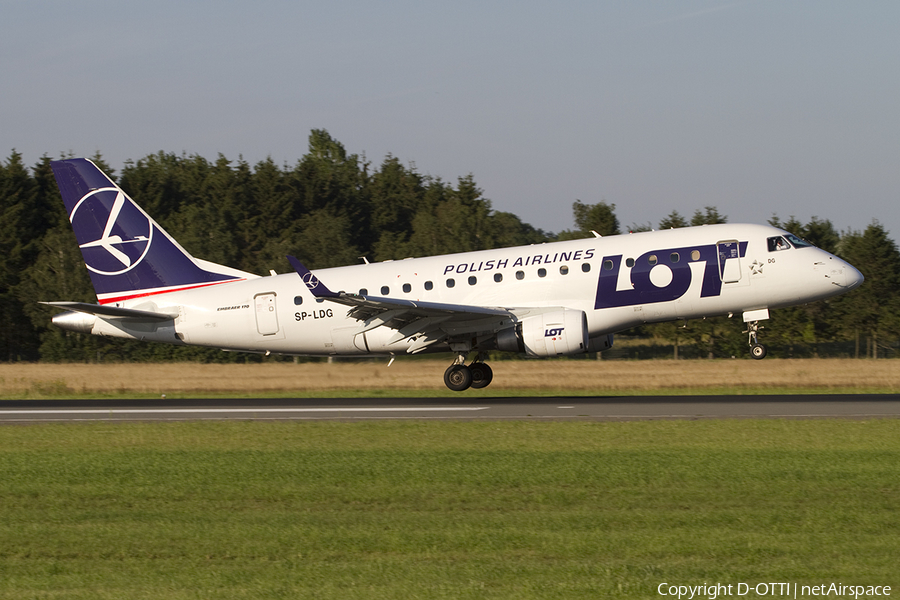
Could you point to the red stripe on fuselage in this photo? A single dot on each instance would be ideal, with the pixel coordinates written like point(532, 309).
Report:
point(167, 291)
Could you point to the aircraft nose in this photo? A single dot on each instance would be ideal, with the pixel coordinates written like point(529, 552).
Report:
point(852, 277)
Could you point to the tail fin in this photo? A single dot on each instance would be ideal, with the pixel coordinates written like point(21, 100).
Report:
point(127, 254)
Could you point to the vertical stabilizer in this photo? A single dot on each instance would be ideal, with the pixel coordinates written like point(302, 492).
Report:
point(127, 254)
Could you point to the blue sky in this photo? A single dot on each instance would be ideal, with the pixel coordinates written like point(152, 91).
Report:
point(755, 107)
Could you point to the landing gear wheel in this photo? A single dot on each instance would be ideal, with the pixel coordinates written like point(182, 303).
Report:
point(482, 375)
point(758, 351)
point(458, 377)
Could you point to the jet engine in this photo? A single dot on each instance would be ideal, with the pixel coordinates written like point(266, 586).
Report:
point(553, 333)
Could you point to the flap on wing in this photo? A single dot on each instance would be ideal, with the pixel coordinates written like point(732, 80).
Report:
point(393, 312)
point(376, 304)
point(112, 311)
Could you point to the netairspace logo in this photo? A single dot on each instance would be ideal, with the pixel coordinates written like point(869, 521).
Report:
point(778, 589)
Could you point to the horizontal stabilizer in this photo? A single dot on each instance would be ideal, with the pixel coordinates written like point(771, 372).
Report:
point(112, 311)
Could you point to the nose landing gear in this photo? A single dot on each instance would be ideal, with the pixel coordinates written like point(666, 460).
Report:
point(757, 350)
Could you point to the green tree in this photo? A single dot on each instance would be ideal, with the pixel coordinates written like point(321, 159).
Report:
point(268, 224)
point(324, 239)
point(708, 216)
point(458, 222)
point(58, 273)
point(589, 218)
point(427, 237)
point(874, 309)
point(640, 227)
point(160, 183)
point(20, 230)
point(329, 178)
point(396, 194)
point(508, 230)
point(600, 217)
point(822, 233)
point(674, 220)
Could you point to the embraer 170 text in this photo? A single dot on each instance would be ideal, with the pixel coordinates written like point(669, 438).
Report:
point(544, 300)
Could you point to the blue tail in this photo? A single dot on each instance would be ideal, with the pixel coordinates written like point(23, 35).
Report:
point(127, 254)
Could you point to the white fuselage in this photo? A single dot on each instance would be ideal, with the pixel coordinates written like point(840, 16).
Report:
point(618, 281)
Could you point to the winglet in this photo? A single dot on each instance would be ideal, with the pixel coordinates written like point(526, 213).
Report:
point(318, 289)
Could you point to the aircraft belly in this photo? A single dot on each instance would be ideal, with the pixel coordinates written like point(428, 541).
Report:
point(347, 340)
point(221, 329)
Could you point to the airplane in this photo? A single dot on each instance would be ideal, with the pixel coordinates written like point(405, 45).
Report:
point(543, 300)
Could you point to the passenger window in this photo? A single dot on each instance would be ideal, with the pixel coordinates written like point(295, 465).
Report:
point(429, 286)
point(407, 288)
point(298, 300)
point(472, 280)
point(607, 266)
point(520, 275)
point(586, 267)
point(363, 292)
point(451, 283)
point(674, 257)
point(629, 262)
point(778, 243)
point(385, 290)
point(564, 270)
point(498, 277)
point(695, 255)
point(542, 272)
point(652, 259)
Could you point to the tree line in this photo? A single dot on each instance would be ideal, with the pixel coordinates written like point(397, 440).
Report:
point(332, 208)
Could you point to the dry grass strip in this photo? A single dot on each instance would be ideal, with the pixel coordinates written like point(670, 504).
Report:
point(30, 380)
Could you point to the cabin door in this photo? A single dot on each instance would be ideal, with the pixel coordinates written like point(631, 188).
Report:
point(729, 261)
point(266, 315)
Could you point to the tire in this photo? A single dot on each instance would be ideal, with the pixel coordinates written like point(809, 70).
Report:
point(458, 377)
point(482, 375)
point(758, 351)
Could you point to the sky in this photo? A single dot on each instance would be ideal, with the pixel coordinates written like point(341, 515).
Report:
point(758, 108)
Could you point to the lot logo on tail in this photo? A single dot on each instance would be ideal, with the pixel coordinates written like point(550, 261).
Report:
point(114, 235)
point(310, 280)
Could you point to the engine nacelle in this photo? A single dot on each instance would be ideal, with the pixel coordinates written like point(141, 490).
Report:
point(548, 334)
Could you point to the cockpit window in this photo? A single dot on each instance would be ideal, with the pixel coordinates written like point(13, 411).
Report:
point(778, 243)
point(797, 242)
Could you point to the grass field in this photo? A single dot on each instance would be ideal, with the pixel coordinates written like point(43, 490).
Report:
point(405, 510)
point(424, 378)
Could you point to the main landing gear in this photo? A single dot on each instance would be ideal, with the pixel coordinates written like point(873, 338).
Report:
point(757, 350)
point(459, 377)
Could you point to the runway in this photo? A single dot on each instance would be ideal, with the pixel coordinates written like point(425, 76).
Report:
point(611, 408)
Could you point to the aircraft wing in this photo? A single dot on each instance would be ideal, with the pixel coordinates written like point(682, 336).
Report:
point(424, 322)
point(112, 311)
